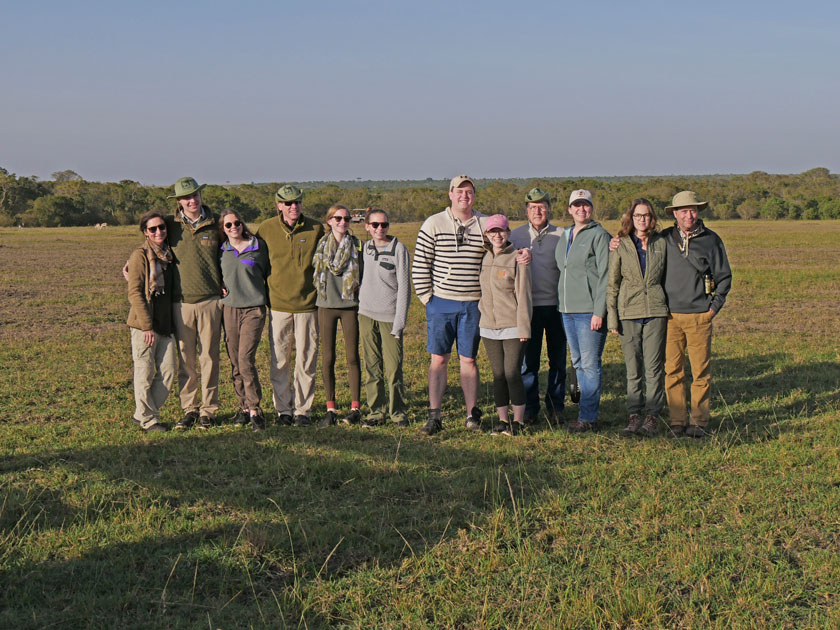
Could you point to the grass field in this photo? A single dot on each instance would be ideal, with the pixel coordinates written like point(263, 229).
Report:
point(104, 526)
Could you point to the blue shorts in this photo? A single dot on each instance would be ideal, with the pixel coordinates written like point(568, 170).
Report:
point(448, 321)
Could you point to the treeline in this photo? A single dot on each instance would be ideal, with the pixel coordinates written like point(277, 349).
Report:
point(69, 200)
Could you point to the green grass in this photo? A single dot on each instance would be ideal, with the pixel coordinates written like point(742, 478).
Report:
point(104, 526)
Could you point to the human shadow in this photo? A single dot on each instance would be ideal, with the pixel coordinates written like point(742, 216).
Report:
point(270, 512)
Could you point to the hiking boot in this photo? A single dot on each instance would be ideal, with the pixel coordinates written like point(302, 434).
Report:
point(400, 421)
point(353, 417)
point(696, 431)
point(283, 420)
point(649, 427)
point(241, 418)
point(676, 431)
point(578, 426)
point(189, 419)
point(433, 424)
point(257, 423)
point(474, 420)
point(329, 419)
point(633, 425)
point(499, 428)
point(204, 423)
point(302, 421)
point(155, 428)
point(531, 419)
point(371, 421)
point(512, 429)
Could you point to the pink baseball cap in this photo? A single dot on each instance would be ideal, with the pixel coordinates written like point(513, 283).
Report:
point(497, 221)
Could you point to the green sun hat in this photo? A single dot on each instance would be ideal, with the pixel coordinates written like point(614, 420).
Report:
point(684, 199)
point(185, 187)
point(538, 195)
point(288, 193)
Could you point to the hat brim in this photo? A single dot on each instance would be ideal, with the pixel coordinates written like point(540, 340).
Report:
point(190, 194)
point(700, 206)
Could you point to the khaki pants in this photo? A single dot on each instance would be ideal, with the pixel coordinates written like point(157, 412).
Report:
point(155, 367)
point(688, 333)
point(302, 328)
point(383, 355)
point(198, 328)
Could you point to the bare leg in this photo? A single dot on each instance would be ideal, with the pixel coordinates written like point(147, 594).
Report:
point(469, 381)
point(437, 379)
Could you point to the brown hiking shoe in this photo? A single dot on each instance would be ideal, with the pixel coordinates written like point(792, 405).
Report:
point(696, 431)
point(579, 426)
point(676, 430)
point(633, 425)
point(649, 426)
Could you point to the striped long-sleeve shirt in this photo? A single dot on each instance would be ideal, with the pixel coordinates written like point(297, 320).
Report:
point(447, 259)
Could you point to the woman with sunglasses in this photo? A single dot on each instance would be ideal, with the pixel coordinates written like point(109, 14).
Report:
point(243, 259)
point(337, 276)
point(638, 312)
point(383, 308)
point(150, 277)
point(505, 324)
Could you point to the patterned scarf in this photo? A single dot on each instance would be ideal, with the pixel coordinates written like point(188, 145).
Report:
point(159, 257)
point(685, 238)
point(339, 259)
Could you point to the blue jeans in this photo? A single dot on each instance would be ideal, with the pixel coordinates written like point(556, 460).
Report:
point(547, 320)
point(586, 347)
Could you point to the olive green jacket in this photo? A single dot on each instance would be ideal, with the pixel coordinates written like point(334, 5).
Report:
point(629, 294)
point(291, 288)
point(198, 276)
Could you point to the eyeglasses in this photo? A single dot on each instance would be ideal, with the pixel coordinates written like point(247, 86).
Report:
point(379, 224)
point(459, 235)
point(341, 217)
point(646, 217)
point(289, 204)
point(233, 224)
point(155, 228)
point(496, 231)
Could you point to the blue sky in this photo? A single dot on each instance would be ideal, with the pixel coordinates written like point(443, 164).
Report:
point(276, 91)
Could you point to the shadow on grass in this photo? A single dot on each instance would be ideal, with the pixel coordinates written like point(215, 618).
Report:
point(259, 516)
point(754, 398)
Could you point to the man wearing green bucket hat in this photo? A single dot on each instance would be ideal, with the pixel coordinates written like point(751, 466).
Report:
point(196, 309)
point(541, 237)
point(291, 239)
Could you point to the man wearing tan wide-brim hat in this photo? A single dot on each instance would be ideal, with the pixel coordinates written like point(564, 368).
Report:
point(697, 281)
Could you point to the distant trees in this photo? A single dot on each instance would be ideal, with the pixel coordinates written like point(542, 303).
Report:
point(70, 200)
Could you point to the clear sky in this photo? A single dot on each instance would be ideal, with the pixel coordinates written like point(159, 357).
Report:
point(275, 91)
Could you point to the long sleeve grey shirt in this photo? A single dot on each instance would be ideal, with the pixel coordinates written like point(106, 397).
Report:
point(386, 286)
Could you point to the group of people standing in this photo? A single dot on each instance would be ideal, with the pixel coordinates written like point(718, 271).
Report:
point(197, 275)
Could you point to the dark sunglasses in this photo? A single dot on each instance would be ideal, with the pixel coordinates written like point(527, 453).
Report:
point(234, 224)
point(459, 235)
point(381, 224)
point(296, 202)
point(339, 217)
point(155, 228)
